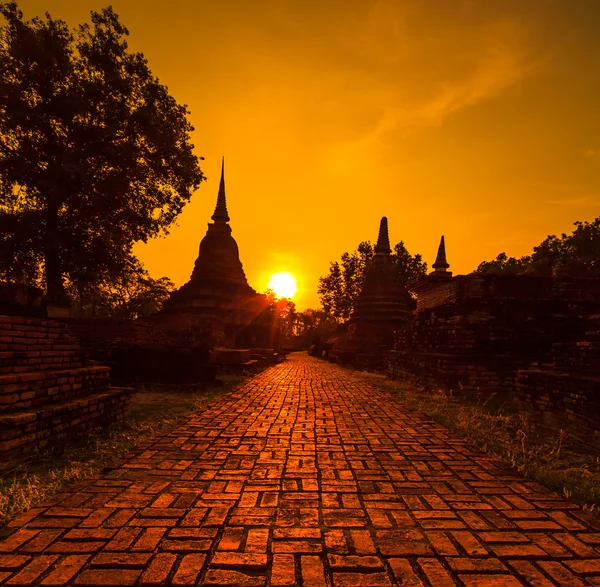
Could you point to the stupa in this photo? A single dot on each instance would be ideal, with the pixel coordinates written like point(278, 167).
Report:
point(439, 275)
point(441, 266)
point(217, 305)
point(383, 306)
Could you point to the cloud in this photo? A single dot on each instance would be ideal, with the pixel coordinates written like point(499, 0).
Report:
point(408, 76)
point(591, 153)
point(586, 200)
point(560, 187)
point(354, 77)
point(496, 60)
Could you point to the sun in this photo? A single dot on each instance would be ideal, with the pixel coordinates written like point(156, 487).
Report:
point(283, 284)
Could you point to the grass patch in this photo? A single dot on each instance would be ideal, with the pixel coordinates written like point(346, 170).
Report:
point(492, 424)
point(154, 411)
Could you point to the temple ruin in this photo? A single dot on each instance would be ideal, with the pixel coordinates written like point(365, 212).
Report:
point(382, 307)
point(217, 305)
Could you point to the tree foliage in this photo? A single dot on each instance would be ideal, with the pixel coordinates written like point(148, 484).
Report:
point(315, 325)
point(94, 152)
point(130, 294)
point(19, 261)
point(304, 326)
point(573, 255)
point(339, 289)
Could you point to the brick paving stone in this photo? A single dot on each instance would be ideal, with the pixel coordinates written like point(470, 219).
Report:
point(158, 570)
point(305, 475)
point(66, 569)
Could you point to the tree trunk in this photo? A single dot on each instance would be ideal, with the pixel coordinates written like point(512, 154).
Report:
point(55, 290)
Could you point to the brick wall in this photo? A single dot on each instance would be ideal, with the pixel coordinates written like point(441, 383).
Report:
point(475, 332)
point(102, 335)
point(48, 390)
point(140, 351)
point(566, 395)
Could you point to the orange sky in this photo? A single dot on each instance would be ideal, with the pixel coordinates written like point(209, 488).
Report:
point(474, 119)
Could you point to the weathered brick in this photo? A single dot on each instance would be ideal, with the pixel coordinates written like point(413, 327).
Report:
point(32, 571)
point(436, 573)
point(530, 573)
point(158, 570)
point(283, 572)
point(362, 541)
point(66, 569)
point(114, 560)
point(226, 578)
point(239, 559)
point(404, 572)
point(560, 573)
point(355, 563)
point(111, 577)
point(231, 539)
point(123, 539)
point(257, 540)
point(17, 539)
point(149, 539)
point(361, 579)
point(189, 569)
point(313, 572)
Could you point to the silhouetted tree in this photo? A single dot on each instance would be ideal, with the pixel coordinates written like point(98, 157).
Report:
point(288, 318)
point(339, 289)
point(130, 294)
point(574, 255)
point(284, 312)
point(92, 147)
point(305, 326)
point(504, 264)
point(20, 261)
point(315, 325)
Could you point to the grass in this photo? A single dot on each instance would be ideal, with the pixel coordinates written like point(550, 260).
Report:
point(154, 411)
point(493, 425)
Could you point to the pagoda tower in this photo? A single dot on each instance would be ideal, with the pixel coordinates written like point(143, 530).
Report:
point(383, 301)
point(218, 264)
point(217, 304)
point(382, 307)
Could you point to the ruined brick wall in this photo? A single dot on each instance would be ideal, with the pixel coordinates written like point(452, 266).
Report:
point(566, 395)
point(474, 332)
point(48, 390)
point(101, 335)
point(139, 351)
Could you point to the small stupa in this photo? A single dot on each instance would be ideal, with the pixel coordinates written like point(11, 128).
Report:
point(439, 274)
point(217, 303)
point(383, 302)
point(382, 306)
point(441, 266)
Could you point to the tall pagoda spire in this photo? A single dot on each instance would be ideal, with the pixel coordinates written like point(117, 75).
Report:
point(383, 240)
point(441, 265)
point(220, 214)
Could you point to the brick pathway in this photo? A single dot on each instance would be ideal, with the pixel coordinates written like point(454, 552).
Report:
point(306, 476)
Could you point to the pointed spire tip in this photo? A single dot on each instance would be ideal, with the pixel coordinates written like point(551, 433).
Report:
point(383, 239)
point(220, 213)
point(441, 265)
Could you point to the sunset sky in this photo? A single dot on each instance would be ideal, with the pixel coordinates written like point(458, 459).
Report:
point(475, 119)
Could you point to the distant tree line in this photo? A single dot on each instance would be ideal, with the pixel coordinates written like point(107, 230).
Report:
point(573, 255)
point(305, 326)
